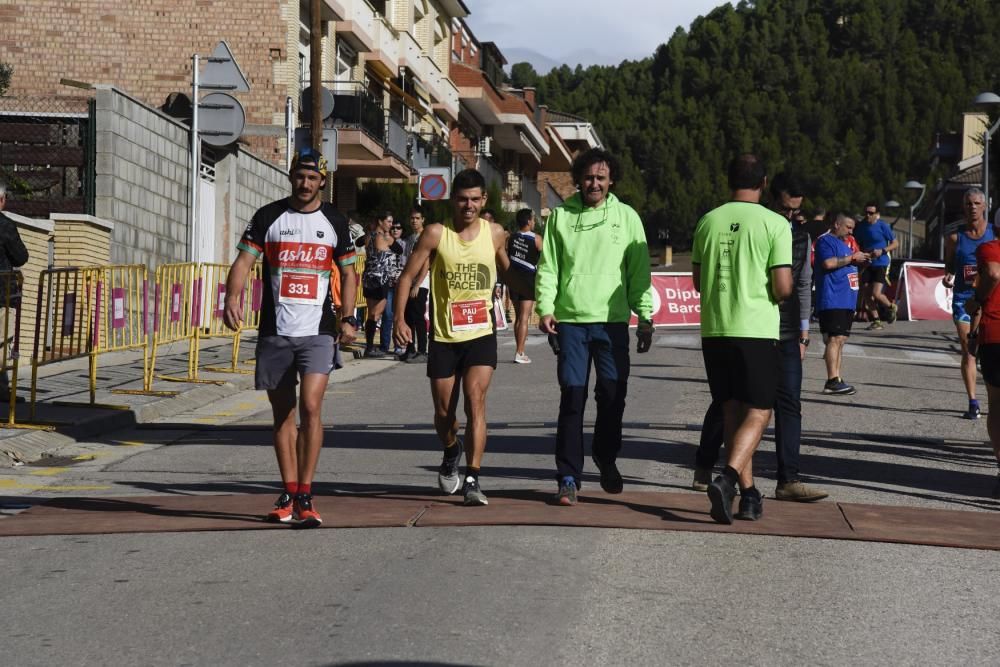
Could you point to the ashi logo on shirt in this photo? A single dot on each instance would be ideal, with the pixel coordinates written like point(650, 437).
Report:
point(289, 232)
point(299, 256)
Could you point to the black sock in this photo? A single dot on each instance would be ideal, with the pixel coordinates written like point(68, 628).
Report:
point(453, 451)
point(730, 475)
point(750, 491)
point(370, 326)
point(472, 472)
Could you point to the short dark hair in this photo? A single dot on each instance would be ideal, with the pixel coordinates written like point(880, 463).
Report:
point(874, 205)
point(417, 209)
point(787, 183)
point(524, 217)
point(746, 172)
point(382, 215)
point(588, 158)
point(468, 179)
point(488, 212)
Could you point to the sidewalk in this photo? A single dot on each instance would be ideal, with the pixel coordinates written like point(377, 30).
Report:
point(68, 382)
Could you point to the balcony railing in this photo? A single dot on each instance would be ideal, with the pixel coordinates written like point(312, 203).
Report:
point(397, 138)
point(355, 107)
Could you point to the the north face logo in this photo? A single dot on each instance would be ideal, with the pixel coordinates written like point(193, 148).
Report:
point(469, 277)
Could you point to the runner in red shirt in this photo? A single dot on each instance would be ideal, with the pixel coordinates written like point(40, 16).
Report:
point(985, 304)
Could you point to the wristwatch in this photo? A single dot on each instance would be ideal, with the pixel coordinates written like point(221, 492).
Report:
point(804, 341)
point(350, 319)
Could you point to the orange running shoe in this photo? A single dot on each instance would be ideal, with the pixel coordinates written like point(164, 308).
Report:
point(308, 517)
point(282, 512)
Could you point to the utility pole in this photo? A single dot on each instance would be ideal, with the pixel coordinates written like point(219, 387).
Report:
point(316, 73)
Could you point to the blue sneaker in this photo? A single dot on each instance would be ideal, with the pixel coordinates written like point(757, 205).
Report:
point(567, 492)
point(973, 412)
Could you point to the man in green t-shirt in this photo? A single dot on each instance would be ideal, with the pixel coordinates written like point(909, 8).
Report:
point(742, 259)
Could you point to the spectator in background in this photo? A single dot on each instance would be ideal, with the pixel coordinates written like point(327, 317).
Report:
point(385, 326)
point(960, 273)
point(523, 248)
point(381, 250)
point(876, 240)
point(13, 254)
point(837, 286)
point(416, 306)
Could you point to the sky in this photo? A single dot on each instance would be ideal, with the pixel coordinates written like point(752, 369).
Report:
point(587, 32)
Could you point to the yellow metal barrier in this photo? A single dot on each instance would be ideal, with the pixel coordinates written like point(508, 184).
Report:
point(11, 284)
point(177, 314)
point(89, 311)
point(190, 302)
point(214, 287)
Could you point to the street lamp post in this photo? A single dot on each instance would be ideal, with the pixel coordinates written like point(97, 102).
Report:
point(914, 185)
point(987, 99)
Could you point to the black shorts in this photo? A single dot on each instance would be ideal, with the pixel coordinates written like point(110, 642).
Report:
point(445, 360)
point(742, 369)
point(376, 293)
point(836, 322)
point(521, 285)
point(989, 362)
point(875, 274)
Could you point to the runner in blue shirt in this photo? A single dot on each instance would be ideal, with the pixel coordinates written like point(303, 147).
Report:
point(960, 273)
point(877, 240)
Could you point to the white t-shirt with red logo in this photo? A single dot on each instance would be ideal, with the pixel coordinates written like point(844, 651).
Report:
point(299, 252)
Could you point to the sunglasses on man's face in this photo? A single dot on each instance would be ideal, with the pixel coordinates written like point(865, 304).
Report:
point(871, 212)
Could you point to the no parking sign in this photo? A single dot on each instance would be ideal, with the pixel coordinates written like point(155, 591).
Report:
point(434, 184)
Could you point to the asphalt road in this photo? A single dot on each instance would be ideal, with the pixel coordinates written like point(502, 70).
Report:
point(522, 595)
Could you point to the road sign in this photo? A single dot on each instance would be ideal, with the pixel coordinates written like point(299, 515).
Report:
point(303, 139)
point(306, 102)
point(434, 183)
point(221, 119)
point(222, 72)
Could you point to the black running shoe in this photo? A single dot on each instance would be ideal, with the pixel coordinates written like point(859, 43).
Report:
point(611, 479)
point(722, 493)
point(751, 505)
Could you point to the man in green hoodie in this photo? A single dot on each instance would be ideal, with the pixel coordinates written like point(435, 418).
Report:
point(593, 273)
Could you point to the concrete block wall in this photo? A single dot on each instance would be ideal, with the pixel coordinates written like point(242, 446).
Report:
point(142, 180)
point(257, 183)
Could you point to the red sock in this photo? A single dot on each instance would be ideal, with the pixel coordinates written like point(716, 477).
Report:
point(305, 489)
point(292, 488)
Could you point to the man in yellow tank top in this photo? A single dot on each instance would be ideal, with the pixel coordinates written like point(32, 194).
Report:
point(464, 255)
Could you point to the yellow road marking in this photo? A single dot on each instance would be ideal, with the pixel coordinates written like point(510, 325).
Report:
point(47, 472)
point(129, 443)
point(12, 484)
point(246, 406)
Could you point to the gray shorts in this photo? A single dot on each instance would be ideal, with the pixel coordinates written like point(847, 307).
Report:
point(281, 359)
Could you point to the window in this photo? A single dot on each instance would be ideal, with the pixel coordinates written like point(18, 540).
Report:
point(347, 60)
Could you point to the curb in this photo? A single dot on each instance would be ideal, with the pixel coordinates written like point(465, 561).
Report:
point(30, 446)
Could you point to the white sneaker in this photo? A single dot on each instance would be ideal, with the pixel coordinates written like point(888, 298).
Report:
point(521, 358)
